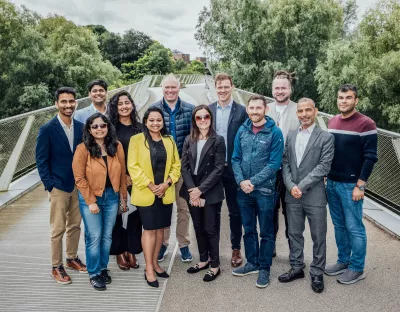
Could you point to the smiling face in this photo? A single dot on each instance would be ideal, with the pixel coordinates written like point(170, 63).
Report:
point(256, 110)
point(224, 90)
point(98, 129)
point(306, 112)
point(98, 95)
point(66, 104)
point(154, 122)
point(203, 119)
point(171, 90)
point(281, 90)
point(347, 102)
point(125, 106)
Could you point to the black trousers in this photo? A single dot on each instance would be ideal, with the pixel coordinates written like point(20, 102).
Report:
point(281, 192)
point(235, 219)
point(207, 223)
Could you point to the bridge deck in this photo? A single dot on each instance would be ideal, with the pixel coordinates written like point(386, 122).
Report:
point(26, 284)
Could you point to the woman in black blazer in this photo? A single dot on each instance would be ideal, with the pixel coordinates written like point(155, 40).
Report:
point(203, 161)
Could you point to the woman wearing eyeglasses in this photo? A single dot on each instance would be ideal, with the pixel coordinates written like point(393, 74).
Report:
point(100, 176)
point(154, 166)
point(203, 161)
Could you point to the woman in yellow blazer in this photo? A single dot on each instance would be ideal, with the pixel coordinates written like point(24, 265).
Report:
point(154, 166)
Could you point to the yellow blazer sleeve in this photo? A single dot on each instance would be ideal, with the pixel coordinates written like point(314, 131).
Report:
point(175, 171)
point(138, 176)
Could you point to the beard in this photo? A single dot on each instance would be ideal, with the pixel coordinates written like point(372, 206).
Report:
point(284, 100)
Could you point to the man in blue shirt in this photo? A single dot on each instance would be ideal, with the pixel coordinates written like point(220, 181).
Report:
point(178, 121)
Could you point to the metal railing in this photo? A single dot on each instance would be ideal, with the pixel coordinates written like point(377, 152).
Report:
point(183, 78)
point(18, 134)
point(384, 182)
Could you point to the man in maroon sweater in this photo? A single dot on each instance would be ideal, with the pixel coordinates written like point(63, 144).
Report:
point(355, 155)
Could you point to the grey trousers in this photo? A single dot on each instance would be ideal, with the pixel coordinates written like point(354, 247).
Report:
point(316, 215)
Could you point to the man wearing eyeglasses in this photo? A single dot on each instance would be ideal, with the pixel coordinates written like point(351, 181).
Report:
point(228, 117)
point(98, 95)
point(55, 147)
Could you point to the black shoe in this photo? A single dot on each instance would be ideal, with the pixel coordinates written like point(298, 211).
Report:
point(291, 275)
point(317, 283)
point(106, 278)
point(152, 284)
point(97, 282)
point(163, 274)
point(196, 268)
point(210, 275)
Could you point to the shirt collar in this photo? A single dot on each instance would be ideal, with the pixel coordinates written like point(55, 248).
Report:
point(229, 105)
point(309, 129)
point(177, 106)
point(63, 124)
point(97, 111)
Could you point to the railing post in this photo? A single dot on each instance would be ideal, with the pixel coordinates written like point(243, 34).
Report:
point(396, 145)
point(12, 162)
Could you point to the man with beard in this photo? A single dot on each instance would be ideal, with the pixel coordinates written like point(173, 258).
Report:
point(98, 94)
point(356, 140)
point(256, 158)
point(283, 112)
point(55, 147)
point(306, 161)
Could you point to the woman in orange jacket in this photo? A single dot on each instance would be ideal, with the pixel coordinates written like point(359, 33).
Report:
point(100, 176)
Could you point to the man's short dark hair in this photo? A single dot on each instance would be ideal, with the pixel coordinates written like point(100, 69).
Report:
point(62, 90)
point(256, 97)
point(349, 87)
point(97, 82)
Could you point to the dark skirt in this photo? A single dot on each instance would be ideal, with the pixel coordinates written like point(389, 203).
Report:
point(156, 216)
point(129, 239)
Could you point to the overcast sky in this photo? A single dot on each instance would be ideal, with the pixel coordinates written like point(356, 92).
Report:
point(172, 23)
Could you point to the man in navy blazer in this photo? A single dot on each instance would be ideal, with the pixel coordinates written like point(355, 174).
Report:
point(55, 147)
point(228, 117)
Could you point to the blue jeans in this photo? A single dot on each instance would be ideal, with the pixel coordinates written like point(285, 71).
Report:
point(258, 204)
point(98, 230)
point(346, 214)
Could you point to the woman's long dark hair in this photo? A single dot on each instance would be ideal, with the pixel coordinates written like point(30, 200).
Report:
point(146, 131)
point(112, 111)
point(195, 131)
point(110, 141)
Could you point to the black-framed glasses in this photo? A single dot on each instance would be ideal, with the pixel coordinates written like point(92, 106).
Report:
point(101, 126)
point(204, 117)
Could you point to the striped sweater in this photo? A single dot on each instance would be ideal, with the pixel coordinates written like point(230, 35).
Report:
point(356, 140)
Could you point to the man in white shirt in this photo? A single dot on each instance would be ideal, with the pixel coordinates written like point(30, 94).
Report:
point(306, 161)
point(283, 112)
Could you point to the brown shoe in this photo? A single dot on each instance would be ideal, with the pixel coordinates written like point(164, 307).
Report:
point(60, 275)
point(76, 264)
point(237, 259)
point(122, 262)
point(132, 260)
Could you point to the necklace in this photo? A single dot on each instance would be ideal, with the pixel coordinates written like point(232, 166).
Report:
point(280, 115)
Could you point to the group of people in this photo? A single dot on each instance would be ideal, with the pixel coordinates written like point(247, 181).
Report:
point(122, 177)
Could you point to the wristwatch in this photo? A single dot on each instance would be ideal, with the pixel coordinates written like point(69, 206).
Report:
point(362, 187)
point(169, 183)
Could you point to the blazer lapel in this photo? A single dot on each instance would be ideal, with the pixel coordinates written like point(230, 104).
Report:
point(77, 135)
point(206, 147)
point(314, 135)
point(61, 133)
point(193, 156)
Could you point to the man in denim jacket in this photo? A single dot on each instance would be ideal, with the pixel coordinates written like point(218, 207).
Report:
point(256, 158)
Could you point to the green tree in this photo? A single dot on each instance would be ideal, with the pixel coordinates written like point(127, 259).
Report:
point(157, 60)
point(196, 67)
point(253, 38)
point(179, 65)
point(371, 60)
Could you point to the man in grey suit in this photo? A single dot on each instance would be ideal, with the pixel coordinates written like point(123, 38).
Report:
point(306, 161)
point(98, 95)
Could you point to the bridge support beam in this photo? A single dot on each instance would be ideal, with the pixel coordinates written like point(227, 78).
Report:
point(12, 163)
